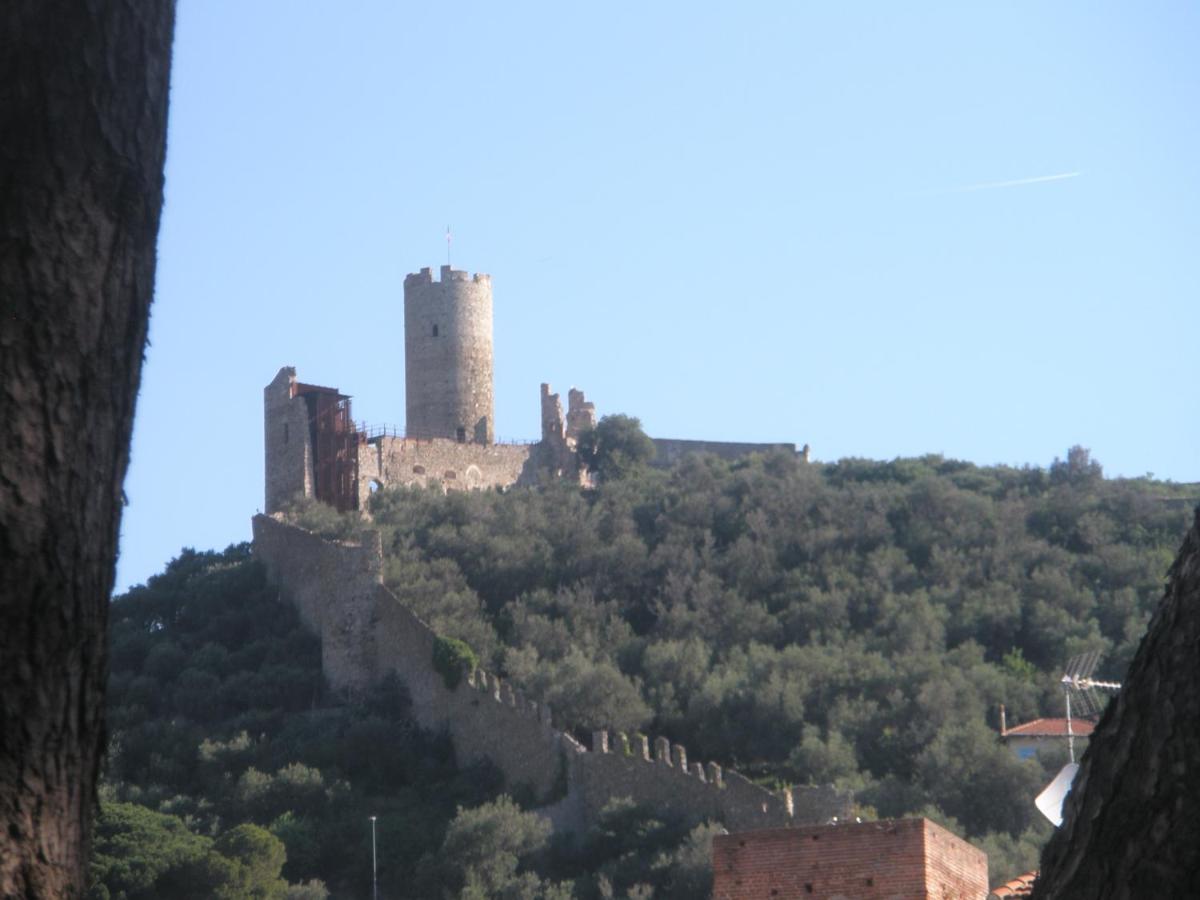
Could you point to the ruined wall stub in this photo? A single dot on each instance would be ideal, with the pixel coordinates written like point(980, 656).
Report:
point(553, 431)
point(581, 414)
point(448, 356)
point(288, 450)
point(555, 455)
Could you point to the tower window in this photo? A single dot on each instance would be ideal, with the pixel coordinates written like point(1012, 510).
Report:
point(435, 331)
point(462, 435)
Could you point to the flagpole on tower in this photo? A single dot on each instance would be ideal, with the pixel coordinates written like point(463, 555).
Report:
point(447, 245)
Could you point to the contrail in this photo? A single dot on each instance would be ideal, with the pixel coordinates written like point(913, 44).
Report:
point(989, 185)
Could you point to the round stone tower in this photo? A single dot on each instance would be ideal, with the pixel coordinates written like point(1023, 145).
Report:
point(448, 356)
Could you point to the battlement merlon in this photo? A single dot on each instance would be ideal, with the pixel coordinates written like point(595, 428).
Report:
point(447, 274)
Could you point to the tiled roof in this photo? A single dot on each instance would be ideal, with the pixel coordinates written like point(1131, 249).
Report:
point(1050, 728)
point(1022, 886)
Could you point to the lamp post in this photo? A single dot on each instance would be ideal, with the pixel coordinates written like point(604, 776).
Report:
point(374, 868)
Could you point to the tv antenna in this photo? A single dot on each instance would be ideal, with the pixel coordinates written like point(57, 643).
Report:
point(1077, 682)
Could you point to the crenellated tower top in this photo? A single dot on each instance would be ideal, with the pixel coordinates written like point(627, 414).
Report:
point(448, 356)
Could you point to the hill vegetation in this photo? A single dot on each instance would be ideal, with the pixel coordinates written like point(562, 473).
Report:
point(857, 622)
point(232, 771)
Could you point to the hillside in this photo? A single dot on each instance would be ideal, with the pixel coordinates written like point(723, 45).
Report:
point(227, 752)
point(857, 622)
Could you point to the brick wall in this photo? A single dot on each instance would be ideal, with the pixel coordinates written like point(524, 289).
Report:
point(904, 859)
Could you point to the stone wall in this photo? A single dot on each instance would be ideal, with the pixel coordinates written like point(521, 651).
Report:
point(394, 461)
point(366, 632)
point(388, 460)
point(671, 450)
point(335, 587)
point(660, 775)
point(287, 448)
point(448, 356)
point(581, 414)
point(556, 457)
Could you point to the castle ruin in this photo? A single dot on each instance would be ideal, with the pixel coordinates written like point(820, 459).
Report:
point(313, 448)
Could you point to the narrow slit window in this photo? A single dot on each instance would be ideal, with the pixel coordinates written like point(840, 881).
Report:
point(435, 331)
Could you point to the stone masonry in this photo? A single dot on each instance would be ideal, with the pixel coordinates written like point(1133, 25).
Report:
point(669, 451)
point(288, 448)
point(387, 461)
point(366, 632)
point(449, 435)
point(448, 356)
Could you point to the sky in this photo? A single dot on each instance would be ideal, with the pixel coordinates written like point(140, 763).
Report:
point(879, 229)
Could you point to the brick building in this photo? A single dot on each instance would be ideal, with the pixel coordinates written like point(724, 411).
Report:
point(897, 859)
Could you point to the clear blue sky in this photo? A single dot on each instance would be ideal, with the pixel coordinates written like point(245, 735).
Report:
point(761, 221)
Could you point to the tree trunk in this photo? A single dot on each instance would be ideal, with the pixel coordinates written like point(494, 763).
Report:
point(83, 107)
point(1131, 824)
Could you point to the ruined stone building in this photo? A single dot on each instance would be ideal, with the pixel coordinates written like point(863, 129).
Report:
point(314, 448)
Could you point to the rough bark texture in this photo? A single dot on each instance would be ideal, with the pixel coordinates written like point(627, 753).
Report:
point(1132, 820)
point(83, 105)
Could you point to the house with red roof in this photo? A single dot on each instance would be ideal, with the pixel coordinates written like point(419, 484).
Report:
point(1029, 737)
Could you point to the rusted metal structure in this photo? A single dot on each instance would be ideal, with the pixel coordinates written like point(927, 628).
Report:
point(334, 440)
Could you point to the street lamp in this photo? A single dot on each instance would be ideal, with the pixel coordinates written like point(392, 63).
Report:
point(374, 868)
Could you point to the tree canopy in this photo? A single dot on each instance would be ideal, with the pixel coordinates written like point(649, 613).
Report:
point(859, 622)
point(615, 447)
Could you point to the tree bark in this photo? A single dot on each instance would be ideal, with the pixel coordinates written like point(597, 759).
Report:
point(1131, 825)
point(83, 107)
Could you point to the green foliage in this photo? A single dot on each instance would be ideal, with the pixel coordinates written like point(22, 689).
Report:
point(261, 747)
point(590, 694)
point(321, 518)
point(615, 447)
point(1018, 666)
point(823, 761)
point(134, 847)
point(452, 659)
point(139, 853)
point(859, 622)
point(633, 851)
point(259, 856)
point(307, 890)
point(483, 854)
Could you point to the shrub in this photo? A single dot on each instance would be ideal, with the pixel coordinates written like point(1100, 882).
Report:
point(453, 658)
